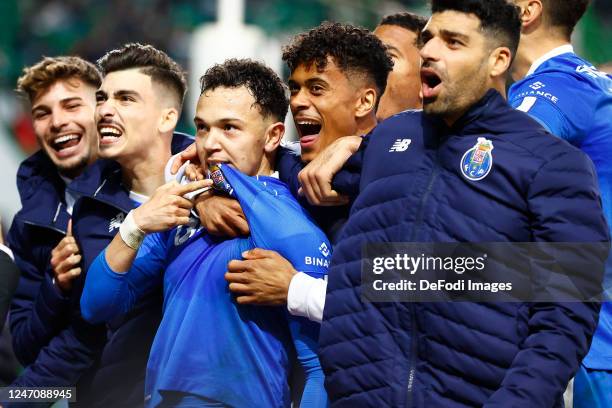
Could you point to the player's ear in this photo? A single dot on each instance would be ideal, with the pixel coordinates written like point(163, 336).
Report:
point(366, 103)
point(274, 135)
point(531, 12)
point(499, 62)
point(168, 120)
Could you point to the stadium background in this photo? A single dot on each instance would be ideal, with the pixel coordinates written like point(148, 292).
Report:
point(189, 31)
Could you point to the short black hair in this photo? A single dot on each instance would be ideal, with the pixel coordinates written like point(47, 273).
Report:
point(499, 18)
point(262, 82)
point(154, 63)
point(565, 13)
point(409, 21)
point(353, 49)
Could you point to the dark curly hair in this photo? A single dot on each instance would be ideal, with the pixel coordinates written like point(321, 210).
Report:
point(154, 63)
point(262, 82)
point(409, 21)
point(353, 49)
point(500, 19)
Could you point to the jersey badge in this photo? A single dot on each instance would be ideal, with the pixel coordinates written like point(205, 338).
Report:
point(477, 162)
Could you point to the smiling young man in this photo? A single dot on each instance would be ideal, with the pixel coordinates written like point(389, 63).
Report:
point(48, 338)
point(474, 170)
point(137, 107)
point(209, 350)
point(400, 32)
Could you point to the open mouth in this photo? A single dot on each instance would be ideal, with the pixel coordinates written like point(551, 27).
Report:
point(430, 82)
point(308, 129)
point(109, 134)
point(66, 141)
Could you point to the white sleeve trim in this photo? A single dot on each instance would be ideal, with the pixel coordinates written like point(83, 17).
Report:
point(306, 296)
point(7, 251)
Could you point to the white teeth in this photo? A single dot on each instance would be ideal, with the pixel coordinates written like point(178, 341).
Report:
point(110, 130)
point(305, 122)
point(65, 138)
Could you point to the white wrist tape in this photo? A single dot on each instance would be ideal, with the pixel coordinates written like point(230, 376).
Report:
point(130, 233)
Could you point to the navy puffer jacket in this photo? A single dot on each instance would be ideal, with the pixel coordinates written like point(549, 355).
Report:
point(539, 188)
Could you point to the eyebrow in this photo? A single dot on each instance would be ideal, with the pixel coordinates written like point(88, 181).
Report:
point(198, 119)
point(118, 94)
point(125, 92)
point(449, 33)
point(63, 102)
point(393, 48)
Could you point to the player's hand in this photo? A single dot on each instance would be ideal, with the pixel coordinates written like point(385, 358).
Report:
point(221, 216)
point(167, 208)
point(190, 153)
point(194, 172)
point(262, 278)
point(316, 177)
point(65, 259)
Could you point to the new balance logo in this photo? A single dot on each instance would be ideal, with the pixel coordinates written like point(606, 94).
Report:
point(400, 145)
point(116, 222)
point(537, 85)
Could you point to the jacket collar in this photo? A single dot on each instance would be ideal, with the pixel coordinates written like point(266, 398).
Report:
point(42, 193)
point(492, 115)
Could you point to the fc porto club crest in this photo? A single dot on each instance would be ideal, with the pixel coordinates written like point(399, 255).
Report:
point(476, 163)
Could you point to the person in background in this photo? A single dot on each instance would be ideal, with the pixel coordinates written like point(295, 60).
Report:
point(400, 32)
point(573, 100)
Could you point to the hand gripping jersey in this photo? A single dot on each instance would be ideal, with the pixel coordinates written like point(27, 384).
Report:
point(573, 100)
point(207, 344)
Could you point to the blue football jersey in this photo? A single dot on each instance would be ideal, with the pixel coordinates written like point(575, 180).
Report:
point(573, 100)
point(207, 344)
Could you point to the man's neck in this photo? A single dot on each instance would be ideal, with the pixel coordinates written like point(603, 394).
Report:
point(143, 174)
point(365, 125)
point(531, 48)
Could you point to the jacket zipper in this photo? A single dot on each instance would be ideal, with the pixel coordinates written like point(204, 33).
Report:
point(413, 339)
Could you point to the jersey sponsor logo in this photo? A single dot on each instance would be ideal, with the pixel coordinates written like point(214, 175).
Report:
point(324, 249)
point(116, 222)
point(477, 162)
point(400, 145)
point(316, 261)
point(590, 71)
point(184, 232)
point(537, 85)
point(543, 94)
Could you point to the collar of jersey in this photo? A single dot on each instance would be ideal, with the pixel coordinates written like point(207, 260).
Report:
point(564, 49)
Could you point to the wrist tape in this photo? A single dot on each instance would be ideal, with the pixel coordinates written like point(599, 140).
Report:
point(130, 233)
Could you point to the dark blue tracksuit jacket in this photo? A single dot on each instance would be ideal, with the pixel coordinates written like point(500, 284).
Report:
point(49, 336)
point(536, 188)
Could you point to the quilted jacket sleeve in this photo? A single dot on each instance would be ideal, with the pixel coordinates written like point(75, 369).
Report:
point(565, 203)
point(38, 309)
